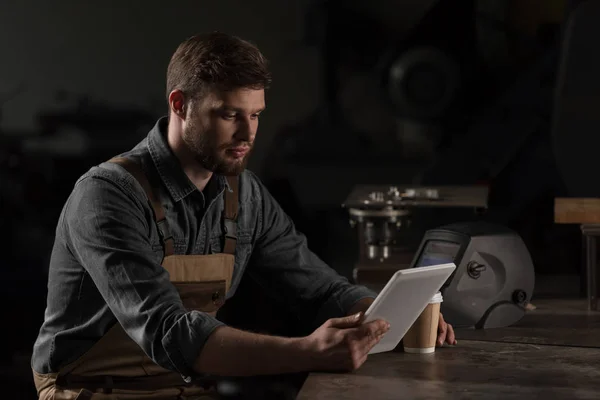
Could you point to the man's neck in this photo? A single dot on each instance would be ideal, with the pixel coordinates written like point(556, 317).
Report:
point(196, 174)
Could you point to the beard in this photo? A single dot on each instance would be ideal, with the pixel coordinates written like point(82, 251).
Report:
point(209, 154)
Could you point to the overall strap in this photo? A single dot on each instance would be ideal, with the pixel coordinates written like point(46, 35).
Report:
point(137, 172)
point(230, 215)
point(230, 212)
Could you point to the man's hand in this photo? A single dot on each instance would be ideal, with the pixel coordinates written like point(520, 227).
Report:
point(445, 332)
point(342, 344)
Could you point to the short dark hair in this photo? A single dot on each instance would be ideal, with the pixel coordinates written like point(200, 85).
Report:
point(216, 60)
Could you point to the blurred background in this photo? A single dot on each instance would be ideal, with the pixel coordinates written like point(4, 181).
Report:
point(411, 92)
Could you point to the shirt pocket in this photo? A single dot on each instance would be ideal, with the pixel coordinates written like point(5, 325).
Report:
point(243, 246)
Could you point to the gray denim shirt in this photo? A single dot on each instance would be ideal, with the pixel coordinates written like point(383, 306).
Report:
point(106, 261)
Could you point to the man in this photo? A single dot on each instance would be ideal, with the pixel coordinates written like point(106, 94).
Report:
point(148, 244)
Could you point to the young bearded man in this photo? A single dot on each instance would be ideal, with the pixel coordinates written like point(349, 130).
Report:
point(150, 243)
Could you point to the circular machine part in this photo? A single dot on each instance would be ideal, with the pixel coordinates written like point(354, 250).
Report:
point(423, 82)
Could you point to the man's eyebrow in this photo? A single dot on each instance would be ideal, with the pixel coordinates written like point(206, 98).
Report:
point(240, 110)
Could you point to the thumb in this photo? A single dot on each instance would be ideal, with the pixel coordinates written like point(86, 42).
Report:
point(346, 322)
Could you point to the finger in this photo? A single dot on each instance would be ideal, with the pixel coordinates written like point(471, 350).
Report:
point(353, 361)
point(374, 326)
point(357, 355)
point(346, 322)
point(372, 343)
point(361, 360)
point(365, 342)
point(442, 331)
point(371, 334)
point(450, 336)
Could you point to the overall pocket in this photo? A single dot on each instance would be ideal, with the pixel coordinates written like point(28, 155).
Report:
point(207, 296)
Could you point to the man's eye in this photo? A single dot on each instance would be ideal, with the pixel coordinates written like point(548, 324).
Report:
point(254, 116)
point(229, 116)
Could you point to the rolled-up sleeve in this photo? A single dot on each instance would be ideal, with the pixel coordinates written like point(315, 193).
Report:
point(107, 231)
point(283, 263)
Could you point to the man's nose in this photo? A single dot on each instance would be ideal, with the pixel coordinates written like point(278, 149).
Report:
point(246, 130)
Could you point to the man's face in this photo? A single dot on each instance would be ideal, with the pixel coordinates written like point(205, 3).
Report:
point(220, 128)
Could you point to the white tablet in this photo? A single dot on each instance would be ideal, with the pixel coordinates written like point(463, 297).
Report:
point(404, 298)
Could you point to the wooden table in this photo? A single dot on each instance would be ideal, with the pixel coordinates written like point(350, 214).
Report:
point(586, 213)
point(554, 353)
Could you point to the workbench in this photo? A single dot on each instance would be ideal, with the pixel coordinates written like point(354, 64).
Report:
point(553, 353)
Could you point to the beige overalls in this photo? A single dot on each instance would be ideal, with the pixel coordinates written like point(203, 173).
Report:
point(116, 367)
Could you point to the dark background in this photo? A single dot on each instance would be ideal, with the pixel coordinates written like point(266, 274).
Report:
point(82, 81)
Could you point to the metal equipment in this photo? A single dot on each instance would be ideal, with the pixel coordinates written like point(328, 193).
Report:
point(494, 277)
point(385, 217)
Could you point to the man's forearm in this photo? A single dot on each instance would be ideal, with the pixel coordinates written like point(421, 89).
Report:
point(361, 305)
point(232, 352)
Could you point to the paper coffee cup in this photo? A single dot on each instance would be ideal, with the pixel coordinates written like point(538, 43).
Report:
point(422, 335)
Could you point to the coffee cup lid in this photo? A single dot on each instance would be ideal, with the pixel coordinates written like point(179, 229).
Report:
point(437, 298)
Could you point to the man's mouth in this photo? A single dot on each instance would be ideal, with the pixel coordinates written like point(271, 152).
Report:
point(238, 152)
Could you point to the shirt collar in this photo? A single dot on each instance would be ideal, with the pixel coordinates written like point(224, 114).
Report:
point(167, 164)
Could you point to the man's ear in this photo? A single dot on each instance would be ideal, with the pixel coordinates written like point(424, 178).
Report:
point(177, 103)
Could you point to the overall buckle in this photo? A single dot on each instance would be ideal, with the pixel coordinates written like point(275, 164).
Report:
point(230, 229)
point(163, 230)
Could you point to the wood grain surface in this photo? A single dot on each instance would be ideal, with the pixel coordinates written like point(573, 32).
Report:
point(553, 352)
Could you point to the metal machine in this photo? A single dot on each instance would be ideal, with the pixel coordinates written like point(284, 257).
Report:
point(388, 219)
point(494, 277)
